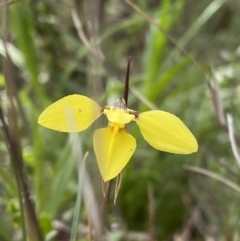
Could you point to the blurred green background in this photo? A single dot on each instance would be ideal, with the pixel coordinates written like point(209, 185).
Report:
point(59, 48)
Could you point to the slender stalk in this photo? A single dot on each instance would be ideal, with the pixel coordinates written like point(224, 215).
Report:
point(13, 143)
point(18, 181)
point(213, 175)
point(232, 139)
point(126, 85)
point(74, 230)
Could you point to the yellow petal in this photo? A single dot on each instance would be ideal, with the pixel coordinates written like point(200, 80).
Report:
point(113, 148)
point(118, 116)
point(72, 113)
point(166, 132)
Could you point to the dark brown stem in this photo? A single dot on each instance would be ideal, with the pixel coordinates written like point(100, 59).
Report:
point(126, 86)
point(13, 143)
point(107, 190)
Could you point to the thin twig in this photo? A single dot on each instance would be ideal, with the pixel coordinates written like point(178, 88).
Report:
point(117, 187)
point(90, 236)
point(218, 105)
point(18, 181)
point(10, 2)
point(126, 84)
point(78, 25)
point(217, 100)
point(106, 190)
point(232, 139)
point(213, 175)
point(224, 165)
point(92, 207)
point(143, 99)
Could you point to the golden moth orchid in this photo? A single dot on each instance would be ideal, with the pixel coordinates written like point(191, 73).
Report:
point(113, 145)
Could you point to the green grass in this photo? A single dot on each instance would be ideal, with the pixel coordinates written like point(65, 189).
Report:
point(49, 61)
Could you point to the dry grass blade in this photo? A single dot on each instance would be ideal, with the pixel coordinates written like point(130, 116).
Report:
point(10, 2)
point(143, 99)
point(117, 187)
point(232, 139)
point(213, 175)
point(78, 26)
point(92, 207)
point(95, 50)
point(218, 105)
point(217, 100)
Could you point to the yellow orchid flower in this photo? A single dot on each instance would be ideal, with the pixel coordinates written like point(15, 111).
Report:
point(113, 146)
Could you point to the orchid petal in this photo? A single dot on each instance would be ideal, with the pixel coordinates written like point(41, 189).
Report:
point(166, 132)
point(113, 147)
point(72, 113)
point(118, 116)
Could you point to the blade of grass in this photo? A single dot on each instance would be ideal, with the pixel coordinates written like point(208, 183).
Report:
point(4, 231)
point(192, 31)
point(38, 163)
point(63, 172)
point(11, 132)
point(170, 38)
point(15, 54)
point(7, 179)
point(23, 28)
point(213, 175)
point(165, 78)
point(209, 11)
point(156, 45)
point(77, 208)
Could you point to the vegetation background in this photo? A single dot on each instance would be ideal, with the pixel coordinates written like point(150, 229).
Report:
point(54, 48)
